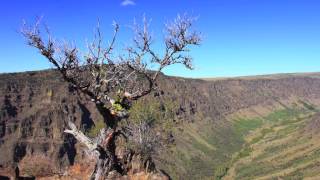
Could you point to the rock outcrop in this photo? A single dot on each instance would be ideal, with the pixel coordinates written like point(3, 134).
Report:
point(35, 107)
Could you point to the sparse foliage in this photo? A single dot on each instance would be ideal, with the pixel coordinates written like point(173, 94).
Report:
point(94, 131)
point(150, 126)
point(114, 81)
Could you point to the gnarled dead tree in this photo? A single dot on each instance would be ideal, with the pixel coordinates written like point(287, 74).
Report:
point(113, 81)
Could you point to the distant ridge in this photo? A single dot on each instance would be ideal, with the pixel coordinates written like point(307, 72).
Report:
point(214, 118)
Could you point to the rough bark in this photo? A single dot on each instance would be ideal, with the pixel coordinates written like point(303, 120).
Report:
point(101, 148)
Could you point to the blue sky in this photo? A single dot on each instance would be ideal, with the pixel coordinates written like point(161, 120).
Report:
point(241, 37)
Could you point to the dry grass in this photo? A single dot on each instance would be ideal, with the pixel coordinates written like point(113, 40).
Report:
point(44, 166)
point(286, 152)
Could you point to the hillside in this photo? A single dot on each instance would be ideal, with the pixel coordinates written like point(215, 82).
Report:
point(232, 128)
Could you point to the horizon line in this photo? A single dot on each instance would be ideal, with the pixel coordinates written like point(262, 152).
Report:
point(190, 77)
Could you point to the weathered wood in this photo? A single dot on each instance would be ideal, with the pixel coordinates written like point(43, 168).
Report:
point(80, 136)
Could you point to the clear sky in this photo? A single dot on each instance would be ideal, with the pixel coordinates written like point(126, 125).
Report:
point(241, 37)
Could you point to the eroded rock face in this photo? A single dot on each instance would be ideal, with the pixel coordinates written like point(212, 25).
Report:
point(35, 107)
point(313, 127)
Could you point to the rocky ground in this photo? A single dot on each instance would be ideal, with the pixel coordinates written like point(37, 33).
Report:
point(35, 106)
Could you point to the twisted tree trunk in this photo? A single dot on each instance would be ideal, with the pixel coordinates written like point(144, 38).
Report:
point(102, 148)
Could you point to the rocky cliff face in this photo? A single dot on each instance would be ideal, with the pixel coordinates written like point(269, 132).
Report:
point(34, 107)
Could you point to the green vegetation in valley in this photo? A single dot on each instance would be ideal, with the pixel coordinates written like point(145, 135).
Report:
point(280, 150)
point(222, 150)
point(243, 126)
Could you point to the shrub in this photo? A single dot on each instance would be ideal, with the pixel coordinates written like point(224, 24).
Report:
point(221, 171)
point(150, 123)
point(94, 131)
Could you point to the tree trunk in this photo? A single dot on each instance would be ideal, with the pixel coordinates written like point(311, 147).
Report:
point(108, 118)
point(104, 148)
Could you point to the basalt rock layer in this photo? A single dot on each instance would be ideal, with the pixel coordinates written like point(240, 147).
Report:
point(35, 106)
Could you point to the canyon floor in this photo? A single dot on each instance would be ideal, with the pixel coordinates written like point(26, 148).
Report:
point(261, 127)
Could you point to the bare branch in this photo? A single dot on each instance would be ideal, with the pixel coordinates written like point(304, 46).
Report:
point(80, 136)
point(178, 39)
point(112, 82)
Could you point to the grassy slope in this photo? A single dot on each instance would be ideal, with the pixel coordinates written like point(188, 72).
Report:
point(242, 148)
point(279, 149)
